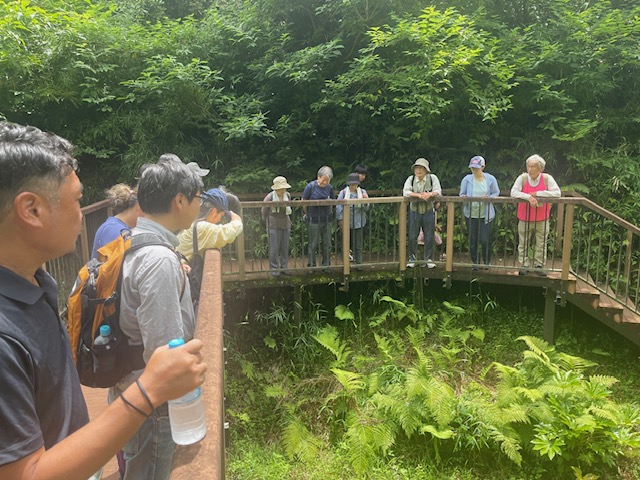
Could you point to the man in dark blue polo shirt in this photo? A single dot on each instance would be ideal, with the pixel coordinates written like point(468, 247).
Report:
point(42, 405)
point(319, 218)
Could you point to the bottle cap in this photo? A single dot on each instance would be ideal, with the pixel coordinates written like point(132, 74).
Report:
point(105, 330)
point(176, 342)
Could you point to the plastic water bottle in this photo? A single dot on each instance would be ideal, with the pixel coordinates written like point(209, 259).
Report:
point(104, 362)
point(186, 414)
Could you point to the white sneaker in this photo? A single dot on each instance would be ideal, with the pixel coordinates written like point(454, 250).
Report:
point(412, 262)
point(430, 264)
point(351, 257)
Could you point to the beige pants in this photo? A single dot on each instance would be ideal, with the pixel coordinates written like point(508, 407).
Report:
point(525, 232)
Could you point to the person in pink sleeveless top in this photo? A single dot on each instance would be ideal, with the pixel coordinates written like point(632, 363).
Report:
point(533, 215)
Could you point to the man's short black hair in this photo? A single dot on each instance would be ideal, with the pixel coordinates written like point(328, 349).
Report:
point(32, 160)
point(162, 181)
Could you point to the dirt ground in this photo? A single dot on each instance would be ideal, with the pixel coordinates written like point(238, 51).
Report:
point(96, 399)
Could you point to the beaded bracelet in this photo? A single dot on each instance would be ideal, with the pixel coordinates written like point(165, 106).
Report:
point(144, 394)
point(139, 410)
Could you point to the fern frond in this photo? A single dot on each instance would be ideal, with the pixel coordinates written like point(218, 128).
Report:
point(360, 445)
point(329, 338)
point(299, 442)
point(351, 381)
point(531, 394)
point(517, 414)
point(571, 362)
point(509, 444)
point(538, 346)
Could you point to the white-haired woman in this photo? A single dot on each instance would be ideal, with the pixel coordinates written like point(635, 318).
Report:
point(533, 216)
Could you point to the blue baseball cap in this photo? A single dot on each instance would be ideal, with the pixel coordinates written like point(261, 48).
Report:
point(218, 198)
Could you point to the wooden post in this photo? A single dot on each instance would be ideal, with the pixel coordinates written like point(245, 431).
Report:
point(549, 316)
point(627, 258)
point(566, 248)
point(448, 266)
point(559, 228)
point(346, 233)
point(402, 234)
point(240, 252)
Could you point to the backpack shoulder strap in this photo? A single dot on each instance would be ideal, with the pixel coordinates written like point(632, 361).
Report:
point(146, 240)
point(194, 237)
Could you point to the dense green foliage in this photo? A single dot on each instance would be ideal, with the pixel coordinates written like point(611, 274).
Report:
point(389, 391)
point(255, 89)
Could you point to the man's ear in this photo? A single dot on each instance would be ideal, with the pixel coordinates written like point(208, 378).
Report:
point(30, 209)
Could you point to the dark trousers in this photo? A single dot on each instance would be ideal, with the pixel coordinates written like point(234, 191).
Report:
point(426, 221)
point(356, 240)
point(479, 233)
point(319, 233)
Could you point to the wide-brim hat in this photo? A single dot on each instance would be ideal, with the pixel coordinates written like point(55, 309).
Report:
point(193, 166)
point(476, 162)
point(421, 162)
point(353, 179)
point(279, 183)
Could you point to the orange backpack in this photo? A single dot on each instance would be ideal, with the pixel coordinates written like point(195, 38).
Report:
point(94, 302)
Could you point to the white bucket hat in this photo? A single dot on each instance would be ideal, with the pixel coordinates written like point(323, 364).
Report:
point(280, 182)
point(421, 162)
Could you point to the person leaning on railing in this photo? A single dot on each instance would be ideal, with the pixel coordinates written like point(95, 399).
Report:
point(319, 217)
point(479, 215)
point(533, 215)
point(423, 186)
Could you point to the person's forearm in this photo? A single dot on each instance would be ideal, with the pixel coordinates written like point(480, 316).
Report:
point(84, 452)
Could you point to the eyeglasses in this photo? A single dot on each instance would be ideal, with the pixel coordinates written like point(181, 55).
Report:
point(202, 199)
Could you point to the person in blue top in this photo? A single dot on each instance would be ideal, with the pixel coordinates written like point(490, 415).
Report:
point(358, 216)
point(479, 215)
point(124, 202)
point(319, 218)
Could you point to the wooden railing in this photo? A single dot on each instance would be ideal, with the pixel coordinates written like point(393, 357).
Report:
point(585, 240)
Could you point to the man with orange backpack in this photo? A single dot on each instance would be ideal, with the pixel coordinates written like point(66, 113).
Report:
point(155, 304)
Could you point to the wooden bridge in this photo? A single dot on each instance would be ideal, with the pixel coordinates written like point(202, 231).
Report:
point(593, 262)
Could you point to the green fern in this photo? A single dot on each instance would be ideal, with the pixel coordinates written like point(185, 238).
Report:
point(299, 442)
point(329, 338)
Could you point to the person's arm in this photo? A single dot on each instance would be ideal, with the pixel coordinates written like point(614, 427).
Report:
point(218, 235)
point(552, 189)
point(464, 186)
point(494, 190)
point(306, 195)
point(265, 210)
point(516, 190)
point(407, 190)
point(436, 189)
point(168, 375)
point(339, 208)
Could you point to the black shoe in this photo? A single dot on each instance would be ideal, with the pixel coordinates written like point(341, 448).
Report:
point(523, 271)
point(540, 272)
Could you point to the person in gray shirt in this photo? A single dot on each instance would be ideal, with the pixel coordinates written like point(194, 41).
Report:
point(156, 299)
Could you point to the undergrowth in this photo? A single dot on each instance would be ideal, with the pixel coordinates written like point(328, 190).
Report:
point(391, 391)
